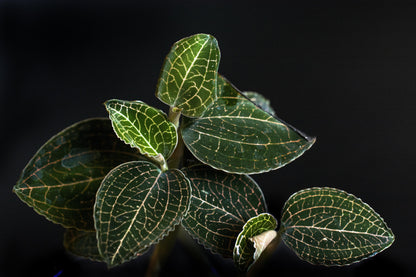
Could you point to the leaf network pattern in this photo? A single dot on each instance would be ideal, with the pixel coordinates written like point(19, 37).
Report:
point(221, 204)
point(137, 205)
point(331, 227)
point(236, 136)
point(61, 179)
point(188, 79)
point(142, 127)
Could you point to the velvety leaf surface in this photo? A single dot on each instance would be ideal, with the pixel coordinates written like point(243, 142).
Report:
point(260, 101)
point(142, 127)
point(221, 203)
point(331, 227)
point(236, 136)
point(137, 205)
point(244, 249)
point(188, 79)
point(61, 179)
point(82, 243)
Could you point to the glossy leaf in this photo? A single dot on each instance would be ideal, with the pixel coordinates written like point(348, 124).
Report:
point(82, 243)
point(188, 79)
point(61, 179)
point(142, 127)
point(260, 101)
point(236, 136)
point(331, 227)
point(245, 253)
point(137, 205)
point(221, 203)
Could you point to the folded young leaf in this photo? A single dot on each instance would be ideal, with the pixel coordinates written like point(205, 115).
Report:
point(260, 101)
point(137, 205)
point(188, 79)
point(246, 250)
point(82, 243)
point(61, 179)
point(142, 127)
point(221, 203)
point(237, 136)
point(331, 227)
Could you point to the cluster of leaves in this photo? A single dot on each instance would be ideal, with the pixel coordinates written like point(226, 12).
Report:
point(119, 186)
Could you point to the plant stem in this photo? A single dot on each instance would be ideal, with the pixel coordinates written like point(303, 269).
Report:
point(160, 253)
point(164, 247)
point(176, 159)
point(174, 115)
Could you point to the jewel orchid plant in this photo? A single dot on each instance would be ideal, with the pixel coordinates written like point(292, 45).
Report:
point(120, 185)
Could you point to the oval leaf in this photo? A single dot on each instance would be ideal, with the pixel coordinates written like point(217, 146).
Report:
point(246, 250)
point(137, 205)
point(331, 227)
point(142, 127)
point(82, 243)
point(236, 136)
point(221, 203)
point(188, 79)
point(61, 179)
point(260, 101)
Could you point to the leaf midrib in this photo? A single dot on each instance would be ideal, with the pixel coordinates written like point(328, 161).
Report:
point(135, 216)
point(144, 138)
point(188, 70)
point(337, 231)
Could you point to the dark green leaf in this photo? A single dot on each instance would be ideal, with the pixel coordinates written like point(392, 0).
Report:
point(260, 101)
point(188, 79)
point(245, 253)
point(61, 179)
point(137, 205)
point(221, 203)
point(82, 243)
point(143, 127)
point(236, 136)
point(331, 227)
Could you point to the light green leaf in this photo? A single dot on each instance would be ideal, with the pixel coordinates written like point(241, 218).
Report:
point(331, 227)
point(137, 205)
point(61, 179)
point(82, 243)
point(260, 101)
point(245, 252)
point(221, 203)
point(188, 79)
point(236, 136)
point(143, 127)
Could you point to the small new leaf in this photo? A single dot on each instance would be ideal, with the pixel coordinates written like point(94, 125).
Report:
point(331, 227)
point(188, 80)
point(237, 136)
point(257, 233)
point(221, 203)
point(143, 127)
point(61, 179)
point(137, 205)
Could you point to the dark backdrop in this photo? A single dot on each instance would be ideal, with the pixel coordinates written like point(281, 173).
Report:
point(342, 72)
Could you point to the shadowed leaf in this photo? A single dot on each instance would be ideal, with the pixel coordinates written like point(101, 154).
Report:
point(236, 136)
point(61, 179)
point(260, 101)
point(82, 243)
point(331, 227)
point(221, 203)
point(188, 79)
point(137, 205)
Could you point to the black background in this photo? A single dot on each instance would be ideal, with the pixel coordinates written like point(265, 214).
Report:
point(343, 71)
